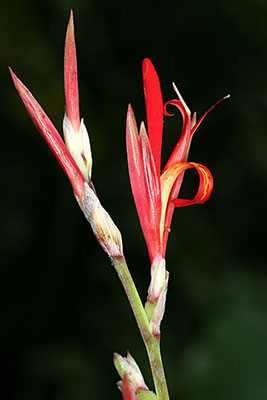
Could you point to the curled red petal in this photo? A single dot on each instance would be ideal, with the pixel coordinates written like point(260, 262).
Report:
point(154, 110)
point(71, 77)
point(181, 149)
point(165, 112)
point(51, 136)
point(178, 104)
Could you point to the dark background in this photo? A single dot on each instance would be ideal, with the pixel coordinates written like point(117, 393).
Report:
point(63, 311)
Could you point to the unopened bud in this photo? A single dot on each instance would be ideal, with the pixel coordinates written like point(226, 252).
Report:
point(157, 292)
point(158, 278)
point(103, 226)
point(78, 144)
point(159, 309)
point(127, 366)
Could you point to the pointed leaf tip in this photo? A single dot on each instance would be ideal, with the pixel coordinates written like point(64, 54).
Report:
point(131, 125)
point(130, 109)
point(71, 22)
point(188, 112)
point(14, 77)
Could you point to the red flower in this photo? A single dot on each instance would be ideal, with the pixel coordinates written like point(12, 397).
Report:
point(155, 191)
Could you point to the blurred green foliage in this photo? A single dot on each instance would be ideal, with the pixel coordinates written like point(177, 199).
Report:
point(63, 312)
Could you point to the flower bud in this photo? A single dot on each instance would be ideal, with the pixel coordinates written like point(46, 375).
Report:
point(127, 366)
point(105, 230)
point(159, 309)
point(158, 278)
point(78, 144)
point(157, 291)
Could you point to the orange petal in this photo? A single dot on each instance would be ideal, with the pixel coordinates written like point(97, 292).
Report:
point(168, 179)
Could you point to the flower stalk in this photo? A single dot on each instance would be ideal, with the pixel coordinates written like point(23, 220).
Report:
point(152, 343)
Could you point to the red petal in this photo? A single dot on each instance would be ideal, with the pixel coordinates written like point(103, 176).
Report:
point(144, 182)
point(71, 77)
point(51, 136)
point(154, 110)
point(127, 391)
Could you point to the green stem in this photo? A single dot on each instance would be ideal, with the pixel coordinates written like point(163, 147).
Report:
point(152, 343)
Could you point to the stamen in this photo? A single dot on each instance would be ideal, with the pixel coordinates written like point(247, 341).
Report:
point(188, 112)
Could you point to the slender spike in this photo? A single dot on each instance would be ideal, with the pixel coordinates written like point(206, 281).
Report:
point(181, 99)
point(194, 128)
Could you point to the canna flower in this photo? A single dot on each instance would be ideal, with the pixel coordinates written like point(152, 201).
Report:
point(74, 155)
point(155, 190)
